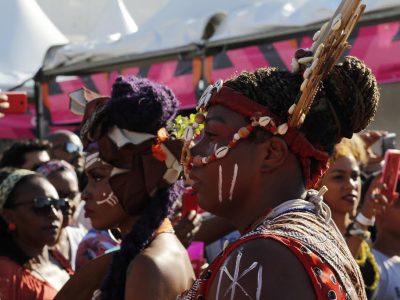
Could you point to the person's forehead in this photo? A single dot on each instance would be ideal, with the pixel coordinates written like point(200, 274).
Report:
point(64, 180)
point(224, 115)
point(34, 187)
point(60, 139)
point(344, 163)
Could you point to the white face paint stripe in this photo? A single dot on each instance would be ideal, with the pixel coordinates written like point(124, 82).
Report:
point(111, 200)
point(220, 183)
point(215, 147)
point(233, 183)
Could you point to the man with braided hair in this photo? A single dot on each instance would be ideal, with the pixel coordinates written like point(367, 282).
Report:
point(253, 169)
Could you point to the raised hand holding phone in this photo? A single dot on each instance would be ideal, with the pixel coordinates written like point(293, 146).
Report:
point(390, 174)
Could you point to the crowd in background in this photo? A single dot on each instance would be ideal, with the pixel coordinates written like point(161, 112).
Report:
point(53, 223)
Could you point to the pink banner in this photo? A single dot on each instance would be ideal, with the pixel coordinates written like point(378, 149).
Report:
point(378, 45)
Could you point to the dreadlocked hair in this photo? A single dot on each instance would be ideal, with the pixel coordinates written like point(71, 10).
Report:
point(9, 248)
point(345, 103)
point(158, 208)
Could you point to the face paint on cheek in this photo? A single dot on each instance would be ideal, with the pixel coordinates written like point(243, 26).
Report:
point(233, 183)
point(215, 147)
point(111, 200)
point(220, 183)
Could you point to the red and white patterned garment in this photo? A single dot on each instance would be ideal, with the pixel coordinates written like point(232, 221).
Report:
point(317, 244)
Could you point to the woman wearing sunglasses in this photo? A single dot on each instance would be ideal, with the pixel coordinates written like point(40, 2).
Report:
point(132, 168)
point(63, 177)
point(30, 219)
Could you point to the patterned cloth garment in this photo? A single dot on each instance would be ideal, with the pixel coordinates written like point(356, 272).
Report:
point(315, 241)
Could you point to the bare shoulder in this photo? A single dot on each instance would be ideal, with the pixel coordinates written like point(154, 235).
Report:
point(262, 269)
point(161, 271)
point(144, 278)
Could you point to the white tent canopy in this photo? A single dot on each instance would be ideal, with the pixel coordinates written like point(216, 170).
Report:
point(26, 34)
point(181, 23)
point(113, 22)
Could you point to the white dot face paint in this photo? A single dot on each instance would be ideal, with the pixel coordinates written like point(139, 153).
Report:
point(235, 285)
point(111, 200)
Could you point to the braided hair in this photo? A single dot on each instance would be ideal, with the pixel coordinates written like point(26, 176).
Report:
point(345, 103)
point(139, 105)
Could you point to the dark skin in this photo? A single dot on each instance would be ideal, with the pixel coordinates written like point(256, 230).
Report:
point(268, 175)
point(58, 139)
point(149, 275)
point(66, 184)
point(35, 231)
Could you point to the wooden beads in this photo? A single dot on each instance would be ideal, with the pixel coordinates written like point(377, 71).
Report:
point(199, 118)
point(243, 132)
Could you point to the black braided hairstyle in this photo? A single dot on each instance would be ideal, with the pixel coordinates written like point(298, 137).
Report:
point(8, 247)
point(345, 103)
point(139, 105)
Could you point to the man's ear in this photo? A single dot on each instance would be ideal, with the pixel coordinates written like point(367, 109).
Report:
point(276, 153)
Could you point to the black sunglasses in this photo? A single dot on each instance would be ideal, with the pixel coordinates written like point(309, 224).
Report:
point(70, 147)
point(42, 204)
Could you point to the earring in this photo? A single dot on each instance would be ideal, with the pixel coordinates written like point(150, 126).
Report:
point(12, 227)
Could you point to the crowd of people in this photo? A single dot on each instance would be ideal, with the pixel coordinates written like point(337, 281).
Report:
point(277, 211)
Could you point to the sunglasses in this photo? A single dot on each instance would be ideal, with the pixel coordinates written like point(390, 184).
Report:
point(70, 147)
point(42, 205)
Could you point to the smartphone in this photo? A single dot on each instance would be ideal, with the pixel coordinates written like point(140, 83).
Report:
point(388, 142)
point(18, 103)
point(189, 201)
point(390, 174)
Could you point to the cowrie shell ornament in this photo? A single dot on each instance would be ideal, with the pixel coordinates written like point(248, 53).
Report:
point(218, 84)
point(303, 85)
point(307, 73)
point(302, 118)
point(305, 60)
point(295, 65)
point(283, 128)
point(188, 135)
point(314, 63)
point(205, 97)
point(264, 121)
point(291, 109)
point(316, 36)
point(319, 49)
point(337, 22)
point(221, 152)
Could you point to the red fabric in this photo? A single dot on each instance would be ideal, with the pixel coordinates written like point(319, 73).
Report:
point(17, 283)
point(326, 283)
